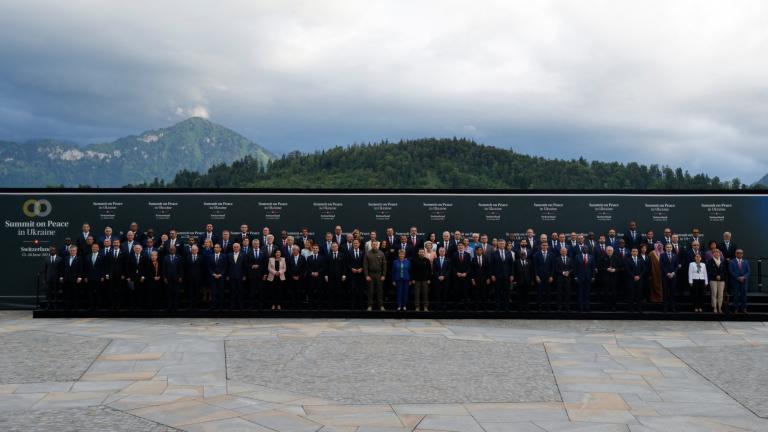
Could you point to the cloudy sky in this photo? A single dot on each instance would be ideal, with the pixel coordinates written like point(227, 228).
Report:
point(669, 82)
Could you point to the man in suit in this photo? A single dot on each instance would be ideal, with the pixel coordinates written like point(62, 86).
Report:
point(194, 271)
point(563, 273)
point(442, 268)
point(173, 274)
point(525, 280)
point(173, 240)
point(115, 274)
point(93, 272)
point(302, 238)
point(244, 233)
point(609, 269)
point(502, 272)
point(296, 272)
point(257, 271)
point(533, 244)
point(138, 235)
point(70, 277)
point(667, 238)
point(338, 235)
point(669, 267)
point(270, 247)
point(584, 271)
point(82, 238)
point(447, 243)
point(64, 251)
point(108, 235)
point(235, 277)
point(245, 246)
point(727, 247)
point(356, 277)
point(480, 274)
point(51, 269)
point(543, 263)
point(738, 269)
point(462, 268)
point(635, 271)
point(335, 276)
point(346, 245)
point(611, 240)
point(696, 237)
point(150, 247)
point(217, 268)
point(414, 239)
point(136, 269)
point(264, 234)
point(391, 239)
point(129, 242)
point(591, 242)
point(632, 237)
point(406, 246)
point(208, 234)
point(226, 242)
point(316, 270)
point(649, 239)
point(326, 245)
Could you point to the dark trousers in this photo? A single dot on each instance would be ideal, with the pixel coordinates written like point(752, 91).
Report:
point(524, 297)
point(544, 294)
point(70, 294)
point(255, 292)
point(335, 292)
point(356, 288)
point(635, 295)
point(295, 291)
point(697, 293)
point(563, 293)
point(583, 287)
point(501, 292)
point(236, 293)
point(442, 293)
point(477, 294)
point(217, 292)
point(315, 292)
point(609, 292)
point(462, 292)
point(52, 296)
point(172, 294)
point(193, 294)
point(92, 293)
point(276, 294)
point(669, 287)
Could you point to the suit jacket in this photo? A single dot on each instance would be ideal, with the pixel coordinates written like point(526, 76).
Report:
point(269, 250)
point(356, 263)
point(325, 248)
point(633, 269)
point(560, 267)
point(317, 264)
point(51, 269)
point(93, 271)
point(584, 272)
point(70, 272)
point(714, 270)
point(336, 268)
point(79, 241)
point(126, 247)
point(630, 242)
point(173, 269)
point(462, 265)
point(405, 266)
point(195, 271)
point(296, 267)
point(236, 270)
point(502, 268)
point(417, 244)
point(450, 249)
point(276, 269)
point(728, 252)
point(227, 249)
point(543, 268)
point(607, 262)
point(257, 258)
point(734, 271)
point(409, 249)
point(217, 267)
point(524, 272)
point(180, 249)
point(116, 266)
point(481, 272)
point(445, 269)
point(668, 264)
point(201, 239)
point(136, 269)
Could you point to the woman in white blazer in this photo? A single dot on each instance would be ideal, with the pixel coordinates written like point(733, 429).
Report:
point(276, 278)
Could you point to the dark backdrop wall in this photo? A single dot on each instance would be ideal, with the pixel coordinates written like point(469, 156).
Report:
point(33, 220)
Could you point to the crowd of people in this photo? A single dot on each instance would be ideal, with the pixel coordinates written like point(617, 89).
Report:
point(139, 270)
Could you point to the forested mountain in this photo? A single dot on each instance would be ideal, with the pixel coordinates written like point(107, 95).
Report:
point(439, 163)
point(195, 144)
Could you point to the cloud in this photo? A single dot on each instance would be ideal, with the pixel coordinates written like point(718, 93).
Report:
point(680, 82)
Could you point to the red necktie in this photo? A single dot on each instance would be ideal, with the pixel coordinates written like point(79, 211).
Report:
point(585, 260)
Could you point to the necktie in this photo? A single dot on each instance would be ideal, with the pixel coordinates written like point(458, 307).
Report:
point(480, 261)
point(173, 257)
point(739, 264)
point(545, 256)
point(194, 258)
point(52, 258)
point(93, 259)
point(585, 260)
point(334, 255)
point(461, 257)
point(635, 260)
point(217, 259)
point(441, 262)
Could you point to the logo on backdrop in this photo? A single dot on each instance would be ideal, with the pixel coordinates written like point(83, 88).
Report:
point(36, 207)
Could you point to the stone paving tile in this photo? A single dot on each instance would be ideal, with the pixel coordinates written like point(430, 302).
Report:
point(395, 369)
point(94, 419)
point(738, 370)
point(38, 357)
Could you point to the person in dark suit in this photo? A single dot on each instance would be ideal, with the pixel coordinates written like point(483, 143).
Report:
point(415, 241)
point(481, 279)
point(50, 273)
point(217, 268)
point(633, 237)
point(738, 271)
point(563, 272)
point(244, 233)
point(346, 246)
point(81, 240)
point(173, 276)
point(93, 273)
point(85, 249)
point(115, 275)
point(609, 270)
point(405, 245)
point(335, 276)
point(525, 280)
point(296, 272)
point(584, 271)
point(175, 241)
point(316, 270)
point(301, 239)
point(635, 272)
point(136, 275)
point(226, 242)
point(502, 272)
point(108, 235)
point(71, 276)
point(356, 283)
point(270, 247)
point(208, 234)
point(326, 244)
point(717, 271)
point(543, 263)
point(195, 272)
point(154, 287)
point(129, 243)
point(728, 247)
point(462, 272)
point(138, 235)
point(256, 263)
point(64, 251)
point(236, 272)
point(669, 267)
point(448, 243)
point(442, 270)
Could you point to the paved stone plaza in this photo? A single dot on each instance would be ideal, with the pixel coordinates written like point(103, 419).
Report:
point(381, 375)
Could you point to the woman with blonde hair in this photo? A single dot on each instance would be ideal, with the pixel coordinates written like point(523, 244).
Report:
point(276, 278)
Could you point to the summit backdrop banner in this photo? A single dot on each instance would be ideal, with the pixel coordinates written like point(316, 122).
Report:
point(34, 220)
